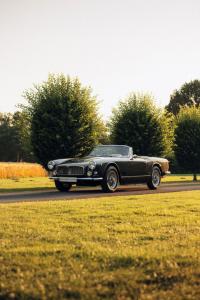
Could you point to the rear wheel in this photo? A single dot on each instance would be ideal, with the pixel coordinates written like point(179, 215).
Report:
point(111, 180)
point(63, 186)
point(155, 179)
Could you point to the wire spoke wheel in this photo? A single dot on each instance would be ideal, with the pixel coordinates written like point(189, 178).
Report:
point(111, 180)
point(155, 178)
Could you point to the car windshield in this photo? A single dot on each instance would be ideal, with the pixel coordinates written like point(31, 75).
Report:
point(110, 151)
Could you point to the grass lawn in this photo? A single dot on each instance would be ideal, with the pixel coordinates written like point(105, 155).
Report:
point(179, 178)
point(132, 247)
point(25, 184)
point(42, 183)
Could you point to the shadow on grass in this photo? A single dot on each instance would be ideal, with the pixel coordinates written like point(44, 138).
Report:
point(163, 282)
point(64, 294)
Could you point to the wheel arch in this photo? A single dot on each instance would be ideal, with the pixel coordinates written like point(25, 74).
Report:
point(156, 164)
point(112, 164)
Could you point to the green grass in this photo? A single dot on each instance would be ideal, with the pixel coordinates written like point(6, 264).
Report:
point(178, 178)
point(43, 183)
point(25, 184)
point(133, 247)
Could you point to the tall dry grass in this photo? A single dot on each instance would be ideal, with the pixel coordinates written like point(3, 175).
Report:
point(21, 170)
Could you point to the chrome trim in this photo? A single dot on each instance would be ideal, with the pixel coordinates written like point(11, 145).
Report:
point(135, 176)
point(167, 172)
point(87, 179)
point(91, 179)
point(67, 167)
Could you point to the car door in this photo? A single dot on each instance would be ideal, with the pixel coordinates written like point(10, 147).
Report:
point(132, 169)
point(137, 167)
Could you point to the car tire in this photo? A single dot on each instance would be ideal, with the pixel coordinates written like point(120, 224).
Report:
point(155, 178)
point(110, 180)
point(62, 186)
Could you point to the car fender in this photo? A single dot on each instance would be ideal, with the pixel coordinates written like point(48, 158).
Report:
point(156, 164)
point(110, 164)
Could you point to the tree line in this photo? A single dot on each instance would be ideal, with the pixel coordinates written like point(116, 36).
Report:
point(61, 119)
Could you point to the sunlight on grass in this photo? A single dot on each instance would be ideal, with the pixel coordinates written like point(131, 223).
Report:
point(178, 178)
point(124, 247)
point(25, 184)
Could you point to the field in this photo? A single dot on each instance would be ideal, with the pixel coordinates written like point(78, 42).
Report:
point(21, 170)
point(133, 247)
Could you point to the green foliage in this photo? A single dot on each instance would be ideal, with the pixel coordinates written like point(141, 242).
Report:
point(188, 94)
point(64, 119)
point(14, 137)
point(187, 139)
point(22, 124)
point(137, 122)
point(9, 142)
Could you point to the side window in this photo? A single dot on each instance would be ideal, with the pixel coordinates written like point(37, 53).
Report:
point(131, 151)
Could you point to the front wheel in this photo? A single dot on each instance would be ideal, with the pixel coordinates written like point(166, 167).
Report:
point(111, 180)
point(63, 186)
point(155, 179)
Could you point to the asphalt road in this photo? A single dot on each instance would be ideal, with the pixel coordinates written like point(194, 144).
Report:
point(78, 193)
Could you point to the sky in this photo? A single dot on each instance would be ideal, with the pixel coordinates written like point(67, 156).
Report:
point(114, 46)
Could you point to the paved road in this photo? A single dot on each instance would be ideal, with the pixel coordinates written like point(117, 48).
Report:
point(78, 193)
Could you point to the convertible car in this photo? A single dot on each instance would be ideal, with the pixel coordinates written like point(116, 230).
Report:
point(108, 166)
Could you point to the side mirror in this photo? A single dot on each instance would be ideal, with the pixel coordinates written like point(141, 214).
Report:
point(134, 156)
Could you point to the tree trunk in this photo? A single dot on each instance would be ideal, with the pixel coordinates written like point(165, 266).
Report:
point(194, 177)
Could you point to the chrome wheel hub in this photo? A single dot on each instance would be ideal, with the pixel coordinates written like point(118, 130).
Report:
point(156, 177)
point(112, 179)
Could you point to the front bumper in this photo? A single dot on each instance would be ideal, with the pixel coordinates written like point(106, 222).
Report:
point(166, 173)
point(77, 179)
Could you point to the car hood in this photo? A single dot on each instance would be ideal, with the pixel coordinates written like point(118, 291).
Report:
point(86, 160)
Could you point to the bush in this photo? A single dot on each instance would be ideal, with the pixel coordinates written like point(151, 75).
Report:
point(137, 122)
point(187, 141)
point(64, 119)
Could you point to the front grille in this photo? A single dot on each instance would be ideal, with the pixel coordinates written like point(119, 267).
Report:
point(70, 170)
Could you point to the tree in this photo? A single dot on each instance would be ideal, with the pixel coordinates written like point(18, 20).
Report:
point(21, 122)
point(64, 119)
point(9, 143)
point(187, 139)
point(137, 122)
point(188, 94)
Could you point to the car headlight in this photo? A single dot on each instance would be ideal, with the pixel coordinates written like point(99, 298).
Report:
point(89, 173)
point(51, 165)
point(54, 173)
point(92, 165)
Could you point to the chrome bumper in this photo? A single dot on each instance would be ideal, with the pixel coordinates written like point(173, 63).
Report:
point(75, 179)
point(167, 173)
